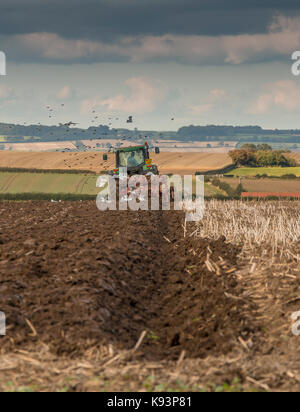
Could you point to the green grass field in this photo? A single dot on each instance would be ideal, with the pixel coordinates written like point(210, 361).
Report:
point(211, 190)
point(58, 183)
point(270, 171)
point(48, 183)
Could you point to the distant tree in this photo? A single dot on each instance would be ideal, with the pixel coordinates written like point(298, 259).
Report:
point(249, 146)
point(289, 176)
point(241, 157)
point(240, 189)
point(265, 159)
point(264, 146)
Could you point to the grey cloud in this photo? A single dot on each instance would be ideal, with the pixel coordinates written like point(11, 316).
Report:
point(281, 39)
point(185, 31)
point(106, 20)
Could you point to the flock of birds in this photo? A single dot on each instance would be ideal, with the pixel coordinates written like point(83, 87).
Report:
point(79, 134)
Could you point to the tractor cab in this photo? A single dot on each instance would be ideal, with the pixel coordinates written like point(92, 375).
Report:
point(136, 159)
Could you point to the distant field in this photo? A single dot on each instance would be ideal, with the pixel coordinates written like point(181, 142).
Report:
point(295, 156)
point(189, 163)
point(94, 144)
point(181, 163)
point(265, 185)
point(38, 146)
point(270, 171)
point(275, 145)
point(47, 183)
point(211, 190)
point(81, 184)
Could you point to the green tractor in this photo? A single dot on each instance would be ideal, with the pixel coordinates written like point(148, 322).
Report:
point(136, 159)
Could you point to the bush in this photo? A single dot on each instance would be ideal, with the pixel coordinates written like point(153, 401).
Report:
point(240, 189)
point(242, 157)
point(228, 189)
point(261, 158)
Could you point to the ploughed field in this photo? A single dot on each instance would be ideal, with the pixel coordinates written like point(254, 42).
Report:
point(124, 301)
point(84, 278)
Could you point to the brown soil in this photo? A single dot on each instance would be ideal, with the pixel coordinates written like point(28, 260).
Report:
point(82, 278)
point(79, 287)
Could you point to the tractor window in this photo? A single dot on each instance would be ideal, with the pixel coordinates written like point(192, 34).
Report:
point(131, 159)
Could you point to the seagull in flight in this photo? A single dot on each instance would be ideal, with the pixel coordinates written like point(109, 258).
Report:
point(68, 124)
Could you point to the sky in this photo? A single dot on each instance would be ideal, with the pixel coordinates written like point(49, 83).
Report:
point(195, 61)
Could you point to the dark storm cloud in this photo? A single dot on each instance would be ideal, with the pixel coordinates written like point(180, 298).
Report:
point(184, 31)
point(107, 19)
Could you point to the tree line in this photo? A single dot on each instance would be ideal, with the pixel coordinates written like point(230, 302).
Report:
point(17, 133)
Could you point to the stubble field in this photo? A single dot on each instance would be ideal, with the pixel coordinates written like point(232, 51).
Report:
point(178, 162)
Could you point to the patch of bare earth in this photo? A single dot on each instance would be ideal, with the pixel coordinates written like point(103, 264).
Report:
point(123, 301)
